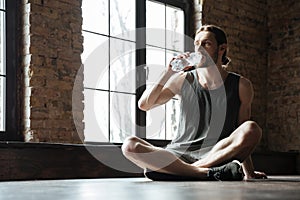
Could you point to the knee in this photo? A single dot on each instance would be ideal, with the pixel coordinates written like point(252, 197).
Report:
point(130, 145)
point(251, 133)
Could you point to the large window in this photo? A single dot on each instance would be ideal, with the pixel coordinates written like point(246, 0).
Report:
point(8, 62)
point(127, 44)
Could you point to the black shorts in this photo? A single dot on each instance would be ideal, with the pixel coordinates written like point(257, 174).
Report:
point(190, 156)
point(183, 156)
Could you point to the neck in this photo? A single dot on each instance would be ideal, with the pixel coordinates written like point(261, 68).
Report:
point(212, 77)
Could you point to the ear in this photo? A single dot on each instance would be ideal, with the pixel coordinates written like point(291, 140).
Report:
point(223, 48)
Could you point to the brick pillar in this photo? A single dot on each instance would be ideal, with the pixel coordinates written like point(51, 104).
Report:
point(53, 46)
point(283, 118)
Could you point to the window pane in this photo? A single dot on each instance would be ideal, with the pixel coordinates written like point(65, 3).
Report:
point(155, 59)
point(155, 23)
point(2, 44)
point(96, 116)
point(2, 103)
point(122, 116)
point(122, 70)
point(156, 123)
point(95, 16)
point(175, 28)
point(172, 117)
point(2, 4)
point(95, 61)
point(122, 19)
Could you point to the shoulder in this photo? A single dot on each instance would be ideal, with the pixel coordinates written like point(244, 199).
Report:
point(244, 83)
point(244, 87)
point(246, 92)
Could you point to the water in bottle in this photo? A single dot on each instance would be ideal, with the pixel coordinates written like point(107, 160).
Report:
point(180, 63)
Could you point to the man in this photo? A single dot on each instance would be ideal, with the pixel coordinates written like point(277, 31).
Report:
point(215, 132)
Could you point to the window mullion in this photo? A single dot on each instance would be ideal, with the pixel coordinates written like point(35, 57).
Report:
point(12, 130)
point(140, 65)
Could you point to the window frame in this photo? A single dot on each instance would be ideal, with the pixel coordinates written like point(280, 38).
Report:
point(12, 129)
point(140, 58)
point(141, 54)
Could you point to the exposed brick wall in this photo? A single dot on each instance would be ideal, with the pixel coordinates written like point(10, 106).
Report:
point(283, 119)
point(245, 23)
point(264, 47)
point(51, 60)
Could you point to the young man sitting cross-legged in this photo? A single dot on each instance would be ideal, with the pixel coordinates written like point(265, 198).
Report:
point(214, 126)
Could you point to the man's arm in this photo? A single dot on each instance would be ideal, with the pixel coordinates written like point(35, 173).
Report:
point(168, 85)
point(246, 96)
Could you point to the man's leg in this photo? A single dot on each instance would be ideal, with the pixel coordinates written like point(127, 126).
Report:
point(238, 146)
point(147, 156)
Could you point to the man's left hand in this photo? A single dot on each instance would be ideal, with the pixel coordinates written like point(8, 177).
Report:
point(256, 175)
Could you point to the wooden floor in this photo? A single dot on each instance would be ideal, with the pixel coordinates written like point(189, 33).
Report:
point(276, 187)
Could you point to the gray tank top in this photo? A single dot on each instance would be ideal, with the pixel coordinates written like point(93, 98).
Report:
point(207, 116)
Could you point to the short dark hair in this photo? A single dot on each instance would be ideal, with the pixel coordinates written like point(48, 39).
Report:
point(220, 36)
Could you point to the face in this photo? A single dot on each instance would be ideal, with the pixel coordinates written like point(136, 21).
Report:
point(206, 43)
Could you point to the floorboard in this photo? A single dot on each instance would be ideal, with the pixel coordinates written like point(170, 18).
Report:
point(276, 187)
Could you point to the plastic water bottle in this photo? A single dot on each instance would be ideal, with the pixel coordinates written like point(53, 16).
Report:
point(180, 63)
